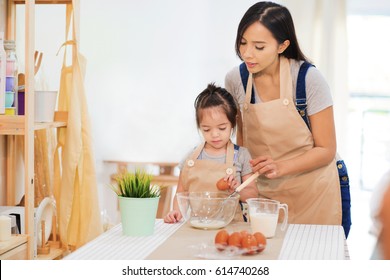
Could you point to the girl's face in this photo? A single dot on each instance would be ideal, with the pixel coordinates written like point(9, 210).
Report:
point(259, 49)
point(215, 127)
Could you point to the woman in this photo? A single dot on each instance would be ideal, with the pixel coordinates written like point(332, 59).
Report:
point(297, 165)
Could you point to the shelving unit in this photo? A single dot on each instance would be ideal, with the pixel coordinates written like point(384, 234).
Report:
point(22, 246)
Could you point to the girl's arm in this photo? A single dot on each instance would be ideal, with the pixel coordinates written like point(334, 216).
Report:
point(175, 215)
point(250, 191)
point(323, 152)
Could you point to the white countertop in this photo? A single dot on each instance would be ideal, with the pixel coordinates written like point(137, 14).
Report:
point(172, 241)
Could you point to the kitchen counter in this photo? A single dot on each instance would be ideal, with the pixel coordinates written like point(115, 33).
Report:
point(182, 242)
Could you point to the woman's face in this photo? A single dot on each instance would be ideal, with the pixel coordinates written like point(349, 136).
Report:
point(215, 127)
point(259, 49)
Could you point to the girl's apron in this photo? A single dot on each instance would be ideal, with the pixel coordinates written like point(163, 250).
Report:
point(275, 128)
point(202, 175)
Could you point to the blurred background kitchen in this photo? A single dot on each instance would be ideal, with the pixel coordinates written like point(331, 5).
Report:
point(148, 60)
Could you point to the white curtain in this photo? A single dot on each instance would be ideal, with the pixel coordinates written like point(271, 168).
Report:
point(322, 33)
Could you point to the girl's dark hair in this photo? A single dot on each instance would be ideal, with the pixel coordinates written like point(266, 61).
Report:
point(277, 19)
point(214, 96)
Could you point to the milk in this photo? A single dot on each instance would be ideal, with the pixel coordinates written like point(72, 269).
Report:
point(208, 224)
point(264, 223)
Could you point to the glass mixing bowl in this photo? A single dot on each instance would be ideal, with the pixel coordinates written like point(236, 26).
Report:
point(207, 210)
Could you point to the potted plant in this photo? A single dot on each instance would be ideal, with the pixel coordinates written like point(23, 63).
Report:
point(138, 202)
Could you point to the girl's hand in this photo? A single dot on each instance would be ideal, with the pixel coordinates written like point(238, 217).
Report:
point(233, 184)
point(173, 217)
point(265, 165)
point(227, 183)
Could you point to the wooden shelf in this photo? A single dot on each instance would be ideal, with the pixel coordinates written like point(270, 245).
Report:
point(55, 253)
point(44, 1)
point(23, 247)
point(14, 125)
point(39, 126)
point(8, 130)
point(15, 248)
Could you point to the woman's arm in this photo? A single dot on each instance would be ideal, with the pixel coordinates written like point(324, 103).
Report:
point(323, 152)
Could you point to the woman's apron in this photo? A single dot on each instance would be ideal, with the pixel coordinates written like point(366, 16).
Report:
point(275, 128)
point(202, 175)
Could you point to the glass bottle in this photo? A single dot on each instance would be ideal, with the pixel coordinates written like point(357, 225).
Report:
point(2, 73)
point(11, 69)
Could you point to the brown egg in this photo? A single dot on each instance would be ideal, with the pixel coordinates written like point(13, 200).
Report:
point(235, 239)
point(249, 243)
point(261, 241)
point(244, 233)
point(221, 238)
point(222, 185)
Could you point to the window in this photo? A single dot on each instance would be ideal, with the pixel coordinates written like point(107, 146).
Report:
point(369, 86)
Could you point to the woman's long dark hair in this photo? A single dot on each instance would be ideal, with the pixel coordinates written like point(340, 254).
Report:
point(277, 19)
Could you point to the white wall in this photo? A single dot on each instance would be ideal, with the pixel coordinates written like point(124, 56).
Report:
point(147, 61)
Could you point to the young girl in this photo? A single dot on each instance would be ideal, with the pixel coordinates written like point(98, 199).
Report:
point(217, 157)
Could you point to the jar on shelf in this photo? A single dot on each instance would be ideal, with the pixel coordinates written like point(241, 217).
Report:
point(11, 72)
point(12, 60)
point(2, 73)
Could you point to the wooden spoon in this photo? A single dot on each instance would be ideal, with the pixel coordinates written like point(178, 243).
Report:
point(244, 184)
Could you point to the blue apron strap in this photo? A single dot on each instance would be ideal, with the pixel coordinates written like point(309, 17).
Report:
point(244, 73)
point(236, 149)
point(301, 101)
point(345, 196)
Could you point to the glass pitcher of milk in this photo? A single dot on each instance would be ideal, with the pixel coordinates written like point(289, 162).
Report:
point(264, 215)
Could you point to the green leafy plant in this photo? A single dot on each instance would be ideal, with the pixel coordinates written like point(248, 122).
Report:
point(135, 184)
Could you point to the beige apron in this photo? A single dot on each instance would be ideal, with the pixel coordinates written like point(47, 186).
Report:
point(202, 175)
point(75, 181)
point(275, 128)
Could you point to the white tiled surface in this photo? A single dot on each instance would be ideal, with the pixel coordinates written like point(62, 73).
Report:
point(113, 245)
point(313, 242)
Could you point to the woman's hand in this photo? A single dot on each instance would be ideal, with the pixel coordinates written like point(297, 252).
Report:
point(173, 217)
point(266, 166)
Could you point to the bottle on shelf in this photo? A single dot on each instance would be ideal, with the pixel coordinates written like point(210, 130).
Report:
point(3, 59)
point(11, 76)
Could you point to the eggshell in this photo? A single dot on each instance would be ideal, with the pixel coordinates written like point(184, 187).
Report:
point(261, 241)
point(221, 238)
point(222, 185)
point(235, 239)
point(249, 243)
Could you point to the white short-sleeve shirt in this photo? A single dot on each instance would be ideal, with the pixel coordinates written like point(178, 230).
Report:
point(317, 89)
